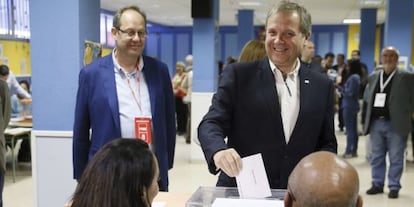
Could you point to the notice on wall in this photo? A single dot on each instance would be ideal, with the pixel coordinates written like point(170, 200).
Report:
point(92, 51)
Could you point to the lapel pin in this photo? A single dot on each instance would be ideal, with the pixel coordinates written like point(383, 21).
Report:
point(306, 81)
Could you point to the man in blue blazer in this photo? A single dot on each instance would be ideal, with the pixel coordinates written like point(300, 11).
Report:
point(276, 106)
point(125, 95)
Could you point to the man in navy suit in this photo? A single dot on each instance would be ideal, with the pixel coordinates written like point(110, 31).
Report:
point(275, 106)
point(125, 94)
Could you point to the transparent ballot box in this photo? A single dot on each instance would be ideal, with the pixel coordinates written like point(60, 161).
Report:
point(205, 196)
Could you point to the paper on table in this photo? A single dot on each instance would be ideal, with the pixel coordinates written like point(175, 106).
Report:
point(252, 180)
point(225, 202)
point(159, 204)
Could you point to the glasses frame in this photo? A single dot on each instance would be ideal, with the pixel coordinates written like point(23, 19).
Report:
point(132, 34)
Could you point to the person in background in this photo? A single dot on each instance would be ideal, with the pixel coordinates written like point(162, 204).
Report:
point(5, 112)
point(274, 106)
point(124, 172)
point(341, 77)
point(318, 60)
point(350, 107)
point(390, 103)
point(21, 108)
point(323, 179)
point(181, 108)
point(125, 94)
point(187, 85)
point(14, 86)
point(356, 55)
point(252, 50)
point(307, 57)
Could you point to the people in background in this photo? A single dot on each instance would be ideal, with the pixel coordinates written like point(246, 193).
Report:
point(323, 179)
point(11, 80)
point(187, 85)
point(252, 50)
point(124, 172)
point(307, 57)
point(181, 108)
point(257, 117)
point(350, 107)
point(125, 94)
point(390, 103)
point(5, 113)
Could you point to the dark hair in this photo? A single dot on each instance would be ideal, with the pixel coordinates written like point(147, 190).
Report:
point(4, 70)
point(357, 51)
point(355, 67)
point(116, 22)
point(118, 175)
point(341, 55)
point(305, 17)
point(329, 54)
point(25, 82)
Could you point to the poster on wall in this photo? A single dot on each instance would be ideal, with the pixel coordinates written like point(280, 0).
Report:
point(92, 51)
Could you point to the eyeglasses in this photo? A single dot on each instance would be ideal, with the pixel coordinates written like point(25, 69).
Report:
point(132, 33)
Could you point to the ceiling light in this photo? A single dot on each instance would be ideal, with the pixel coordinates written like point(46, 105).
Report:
point(250, 3)
point(351, 21)
point(371, 2)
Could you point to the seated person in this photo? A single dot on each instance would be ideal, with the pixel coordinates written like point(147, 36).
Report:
point(323, 179)
point(124, 172)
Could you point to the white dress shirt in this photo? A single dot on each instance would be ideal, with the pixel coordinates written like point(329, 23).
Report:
point(289, 97)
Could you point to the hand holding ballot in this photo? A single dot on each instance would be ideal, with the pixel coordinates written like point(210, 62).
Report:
point(228, 161)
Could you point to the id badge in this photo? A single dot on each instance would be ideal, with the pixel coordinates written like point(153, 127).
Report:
point(143, 129)
point(380, 100)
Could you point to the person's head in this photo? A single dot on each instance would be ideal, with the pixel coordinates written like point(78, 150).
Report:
point(329, 60)
point(318, 59)
point(25, 85)
point(252, 50)
point(189, 59)
point(179, 67)
point(308, 51)
point(354, 67)
point(355, 54)
point(287, 28)
point(340, 59)
point(389, 58)
point(124, 172)
point(4, 72)
point(129, 30)
point(323, 179)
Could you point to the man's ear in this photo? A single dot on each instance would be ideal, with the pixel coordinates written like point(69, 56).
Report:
point(288, 200)
point(359, 201)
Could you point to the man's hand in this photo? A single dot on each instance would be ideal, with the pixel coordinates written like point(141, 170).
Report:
point(228, 161)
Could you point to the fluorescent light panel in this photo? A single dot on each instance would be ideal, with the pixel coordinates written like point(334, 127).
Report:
point(250, 3)
point(351, 21)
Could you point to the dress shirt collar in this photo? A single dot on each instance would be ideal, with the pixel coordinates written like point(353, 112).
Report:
point(119, 69)
point(278, 73)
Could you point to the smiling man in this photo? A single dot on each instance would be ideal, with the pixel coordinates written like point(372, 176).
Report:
point(274, 106)
point(125, 94)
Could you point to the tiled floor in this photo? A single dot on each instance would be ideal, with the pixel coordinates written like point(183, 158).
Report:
point(186, 176)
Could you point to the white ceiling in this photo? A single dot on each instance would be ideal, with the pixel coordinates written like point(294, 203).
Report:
point(178, 12)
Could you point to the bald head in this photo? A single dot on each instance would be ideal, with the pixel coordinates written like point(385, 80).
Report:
point(323, 179)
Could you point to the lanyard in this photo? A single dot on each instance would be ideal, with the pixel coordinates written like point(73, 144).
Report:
point(137, 100)
point(382, 84)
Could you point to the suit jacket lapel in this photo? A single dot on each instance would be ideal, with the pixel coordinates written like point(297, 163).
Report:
point(305, 82)
point(109, 85)
point(395, 81)
point(268, 87)
point(150, 77)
